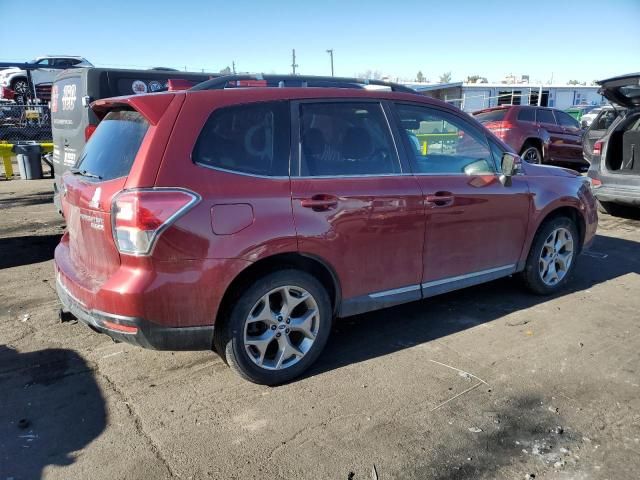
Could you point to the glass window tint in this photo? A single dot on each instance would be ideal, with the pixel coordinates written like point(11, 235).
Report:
point(545, 116)
point(566, 120)
point(442, 143)
point(114, 145)
point(345, 139)
point(527, 115)
point(252, 138)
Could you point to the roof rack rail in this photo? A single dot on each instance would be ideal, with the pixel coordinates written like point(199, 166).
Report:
point(273, 80)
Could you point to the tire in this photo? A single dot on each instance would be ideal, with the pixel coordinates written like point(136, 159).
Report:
point(531, 154)
point(610, 208)
point(20, 86)
point(537, 275)
point(273, 355)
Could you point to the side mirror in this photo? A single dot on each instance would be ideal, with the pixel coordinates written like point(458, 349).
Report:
point(509, 167)
point(584, 124)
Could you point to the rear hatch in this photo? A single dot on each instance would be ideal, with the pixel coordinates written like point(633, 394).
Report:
point(492, 119)
point(124, 152)
point(90, 186)
point(623, 90)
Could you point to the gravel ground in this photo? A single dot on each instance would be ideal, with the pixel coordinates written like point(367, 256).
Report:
point(485, 383)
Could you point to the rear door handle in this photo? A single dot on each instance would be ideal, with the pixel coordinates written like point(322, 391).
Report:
point(440, 199)
point(320, 202)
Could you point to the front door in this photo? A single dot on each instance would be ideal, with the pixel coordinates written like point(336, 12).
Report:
point(355, 205)
point(476, 226)
point(547, 121)
point(572, 136)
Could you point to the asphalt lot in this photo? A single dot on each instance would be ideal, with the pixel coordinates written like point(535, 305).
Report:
point(489, 382)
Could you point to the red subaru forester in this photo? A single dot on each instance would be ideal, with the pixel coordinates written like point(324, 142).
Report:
point(247, 213)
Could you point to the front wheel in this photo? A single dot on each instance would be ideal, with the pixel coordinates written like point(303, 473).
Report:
point(531, 154)
point(277, 328)
point(552, 256)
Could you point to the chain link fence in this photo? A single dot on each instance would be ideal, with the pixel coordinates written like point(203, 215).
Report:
point(25, 122)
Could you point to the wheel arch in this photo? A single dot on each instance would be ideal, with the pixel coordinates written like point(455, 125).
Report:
point(563, 210)
point(312, 264)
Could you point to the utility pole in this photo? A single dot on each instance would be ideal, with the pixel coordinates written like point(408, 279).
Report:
point(293, 60)
point(330, 52)
point(233, 66)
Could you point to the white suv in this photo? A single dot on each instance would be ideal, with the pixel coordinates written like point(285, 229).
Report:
point(48, 67)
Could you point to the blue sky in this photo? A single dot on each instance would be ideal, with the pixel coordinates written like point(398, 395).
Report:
point(582, 40)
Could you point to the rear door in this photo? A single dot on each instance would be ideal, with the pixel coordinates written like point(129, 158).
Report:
point(68, 121)
point(355, 204)
point(475, 225)
point(623, 90)
point(557, 148)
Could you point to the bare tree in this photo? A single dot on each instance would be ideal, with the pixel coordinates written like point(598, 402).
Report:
point(420, 76)
point(226, 71)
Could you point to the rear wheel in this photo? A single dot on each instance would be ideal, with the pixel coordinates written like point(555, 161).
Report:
point(552, 256)
point(277, 327)
point(531, 154)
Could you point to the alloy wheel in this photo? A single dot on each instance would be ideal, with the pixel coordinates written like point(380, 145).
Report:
point(20, 87)
point(556, 256)
point(531, 155)
point(281, 327)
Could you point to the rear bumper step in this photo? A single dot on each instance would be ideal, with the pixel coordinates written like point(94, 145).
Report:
point(625, 195)
point(138, 331)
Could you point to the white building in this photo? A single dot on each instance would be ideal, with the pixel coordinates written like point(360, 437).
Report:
point(476, 96)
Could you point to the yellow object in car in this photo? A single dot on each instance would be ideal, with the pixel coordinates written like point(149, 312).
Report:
point(425, 148)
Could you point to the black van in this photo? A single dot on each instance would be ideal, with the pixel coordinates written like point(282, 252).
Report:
point(73, 122)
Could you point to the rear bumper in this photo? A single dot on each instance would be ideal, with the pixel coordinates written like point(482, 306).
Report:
point(137, 331)
point(627, 195)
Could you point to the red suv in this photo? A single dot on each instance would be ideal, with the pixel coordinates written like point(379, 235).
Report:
point(538, 134)
point(247, 219)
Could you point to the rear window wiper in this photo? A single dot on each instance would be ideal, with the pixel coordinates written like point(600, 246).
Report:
point(85, 173)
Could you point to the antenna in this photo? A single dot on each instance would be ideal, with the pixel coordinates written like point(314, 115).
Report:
point(330, 52)
point(293, 60)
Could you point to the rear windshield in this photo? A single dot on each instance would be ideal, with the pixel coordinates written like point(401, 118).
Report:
point(114, 145)
point(491, 116)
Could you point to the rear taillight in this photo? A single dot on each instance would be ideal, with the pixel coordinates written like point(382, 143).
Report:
point(88, 131)
point(597, 148)
point(138, 217)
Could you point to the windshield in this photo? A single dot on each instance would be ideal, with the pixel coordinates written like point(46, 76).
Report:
point(491, 116)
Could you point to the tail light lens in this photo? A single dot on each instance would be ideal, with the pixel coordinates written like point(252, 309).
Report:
point(139, 216)
point(597, 148)
point(88, 131)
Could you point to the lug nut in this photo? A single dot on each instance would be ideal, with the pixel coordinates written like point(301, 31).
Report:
point(287, 330)
point(273, 327)
point(288, 320)
point(279, 318)
point(278, 334)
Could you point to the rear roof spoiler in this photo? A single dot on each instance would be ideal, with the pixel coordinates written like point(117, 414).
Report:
point(151, 106)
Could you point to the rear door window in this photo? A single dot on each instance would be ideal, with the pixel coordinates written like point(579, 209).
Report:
point(250, 139)
point(343, 139)
point(114, 145)
point(527, 115)
point(545, 116)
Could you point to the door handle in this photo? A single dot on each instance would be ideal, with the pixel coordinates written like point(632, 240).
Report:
point(440, 199)
point(320, 203)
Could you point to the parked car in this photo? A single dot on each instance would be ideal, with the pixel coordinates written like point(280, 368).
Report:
point(48, 67)
point(249, 218)
point(73, 121)
point(598, 126)
point(615, 157)
point(579, 111)
point(538, 134)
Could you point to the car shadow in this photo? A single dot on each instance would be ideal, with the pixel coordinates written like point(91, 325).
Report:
point(28, 249)
point(363, 337)
point(51, 408)
point(26, 200)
